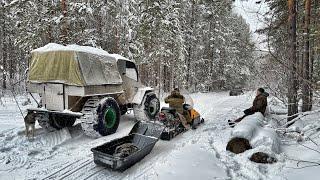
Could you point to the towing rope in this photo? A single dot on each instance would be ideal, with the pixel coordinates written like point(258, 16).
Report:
point(15, 99)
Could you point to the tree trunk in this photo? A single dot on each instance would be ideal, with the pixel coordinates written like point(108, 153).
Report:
point(64, 30)
point(49, 28)
point(165, 80)
point(190, 45)
point(159, 77)
point(211, 53)
point(11, 66)
point(306, 60)
point(313, 49)
point(292, 76)
point(4, 63)
point(2, 41)
point(4, 50)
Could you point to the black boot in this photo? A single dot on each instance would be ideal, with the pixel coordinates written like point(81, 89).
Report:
point(231, 123)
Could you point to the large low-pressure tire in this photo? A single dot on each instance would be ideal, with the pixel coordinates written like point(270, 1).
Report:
point(148, 109)
point(89, 120)
point(108, 117)
point(151, 105)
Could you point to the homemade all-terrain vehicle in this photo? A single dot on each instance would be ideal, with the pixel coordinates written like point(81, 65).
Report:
point(171, 119)
point(89, 84)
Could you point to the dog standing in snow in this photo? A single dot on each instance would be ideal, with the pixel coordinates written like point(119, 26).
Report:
point(30, 122)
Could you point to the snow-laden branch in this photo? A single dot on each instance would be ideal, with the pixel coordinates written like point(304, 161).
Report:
point(313, 163)
point(300, 115)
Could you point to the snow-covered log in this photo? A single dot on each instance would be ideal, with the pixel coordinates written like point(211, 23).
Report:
point(251, 134)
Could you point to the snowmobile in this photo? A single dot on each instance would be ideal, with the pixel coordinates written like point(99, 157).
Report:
point(171, 119)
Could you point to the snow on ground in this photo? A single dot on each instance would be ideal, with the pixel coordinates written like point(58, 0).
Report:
point(196, 154)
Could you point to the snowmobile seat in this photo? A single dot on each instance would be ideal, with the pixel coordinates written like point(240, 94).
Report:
point(169, 109)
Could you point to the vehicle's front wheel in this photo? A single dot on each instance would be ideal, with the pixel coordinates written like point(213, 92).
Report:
point(108, 117)
point(149, 107)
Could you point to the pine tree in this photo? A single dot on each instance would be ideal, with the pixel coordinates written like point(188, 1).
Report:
point(172, 47)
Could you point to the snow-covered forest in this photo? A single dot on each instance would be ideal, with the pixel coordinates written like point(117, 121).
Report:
point(291, 68)
point(198, 45)
point(159, 89)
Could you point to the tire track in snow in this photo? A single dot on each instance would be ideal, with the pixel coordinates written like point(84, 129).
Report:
point(17, 151)
point(105, 175)
point(93, 173)
point(13, 161)
point(82, 166)
point(90, 171)
point(68, 169)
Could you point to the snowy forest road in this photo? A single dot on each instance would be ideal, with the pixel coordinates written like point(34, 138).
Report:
point(65, 154)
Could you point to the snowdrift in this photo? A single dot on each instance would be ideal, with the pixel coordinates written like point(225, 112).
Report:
point(251, 134)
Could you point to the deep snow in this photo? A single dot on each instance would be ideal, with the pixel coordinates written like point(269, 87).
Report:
point(196, 154)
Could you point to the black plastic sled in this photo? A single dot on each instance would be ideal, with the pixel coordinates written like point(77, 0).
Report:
point(140, 142)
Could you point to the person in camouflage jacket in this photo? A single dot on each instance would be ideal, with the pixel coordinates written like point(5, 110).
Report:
point(176, 101)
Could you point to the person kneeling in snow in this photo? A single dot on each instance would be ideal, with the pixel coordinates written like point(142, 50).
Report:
point(260, 104)
point(176, 101)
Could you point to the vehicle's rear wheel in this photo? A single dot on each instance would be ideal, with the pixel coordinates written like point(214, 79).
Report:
point(108, 117)
point(61, 121)
point(149, 107)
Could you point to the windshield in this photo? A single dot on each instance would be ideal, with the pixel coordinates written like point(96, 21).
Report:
point(128, 69)
point(184, 93)
point(188, 99)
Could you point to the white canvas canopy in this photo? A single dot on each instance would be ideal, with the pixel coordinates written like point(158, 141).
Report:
point(74, 65)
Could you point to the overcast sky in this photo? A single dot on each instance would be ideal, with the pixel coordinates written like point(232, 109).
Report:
point(252, 13)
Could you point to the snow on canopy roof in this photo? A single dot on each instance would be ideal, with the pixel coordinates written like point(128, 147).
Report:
point(73, 47)
point(74, 65)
